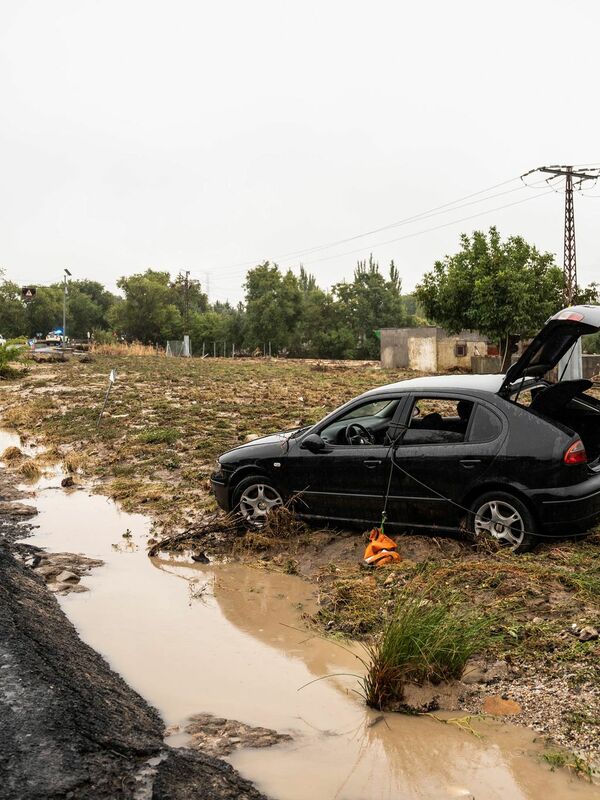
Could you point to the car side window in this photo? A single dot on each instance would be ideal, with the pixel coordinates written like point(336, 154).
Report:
point(486, 425)
point(365, 424)
point(437, 420)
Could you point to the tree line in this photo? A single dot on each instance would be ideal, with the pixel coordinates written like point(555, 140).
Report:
point(284, 312)
point(505, 289)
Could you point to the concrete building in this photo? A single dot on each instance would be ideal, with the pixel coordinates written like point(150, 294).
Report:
point(429, 349)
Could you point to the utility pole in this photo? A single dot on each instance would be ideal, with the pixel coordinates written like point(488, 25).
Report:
point(574, 178)
point(570, 366)
point(186, 316)
point(65, 292)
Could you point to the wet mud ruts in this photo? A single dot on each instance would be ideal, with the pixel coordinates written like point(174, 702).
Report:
point(72, 728)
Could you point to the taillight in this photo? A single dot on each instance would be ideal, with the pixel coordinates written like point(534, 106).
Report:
point(575, 454)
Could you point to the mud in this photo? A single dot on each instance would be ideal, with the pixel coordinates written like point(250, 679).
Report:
point(71, 727)
point(229, 640)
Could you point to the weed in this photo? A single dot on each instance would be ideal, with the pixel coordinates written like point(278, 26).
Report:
point(12, 454)
point(559, 759)
point(429, 638)
point(290, 566)
point(29, 470)
point(159, 436)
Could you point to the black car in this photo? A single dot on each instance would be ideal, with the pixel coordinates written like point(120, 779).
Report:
point(512, 456)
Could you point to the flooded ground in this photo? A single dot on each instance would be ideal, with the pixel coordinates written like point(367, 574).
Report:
point(225, 639)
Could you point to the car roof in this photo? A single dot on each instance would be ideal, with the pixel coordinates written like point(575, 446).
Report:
point(478, 383)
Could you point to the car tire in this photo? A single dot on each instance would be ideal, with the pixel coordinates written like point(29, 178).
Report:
point(253, 498)
point(505, 518)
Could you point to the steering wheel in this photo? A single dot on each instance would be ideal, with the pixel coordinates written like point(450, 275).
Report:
point(358, 434)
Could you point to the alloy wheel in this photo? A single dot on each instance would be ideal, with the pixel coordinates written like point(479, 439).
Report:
point(256, 502)
point(502, 521)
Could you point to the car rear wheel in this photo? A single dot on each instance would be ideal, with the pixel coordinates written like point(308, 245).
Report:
point(254, 498)
point(505, 518)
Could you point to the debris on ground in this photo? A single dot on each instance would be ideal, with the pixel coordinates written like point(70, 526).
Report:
point(220, 737)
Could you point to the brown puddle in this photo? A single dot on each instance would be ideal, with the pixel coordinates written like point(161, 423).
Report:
point(223, 639)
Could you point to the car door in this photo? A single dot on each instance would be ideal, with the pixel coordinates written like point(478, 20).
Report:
point(433, 472)
point(345, 481)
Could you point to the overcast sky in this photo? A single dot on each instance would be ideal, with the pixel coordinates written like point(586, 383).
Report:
point(211, 135)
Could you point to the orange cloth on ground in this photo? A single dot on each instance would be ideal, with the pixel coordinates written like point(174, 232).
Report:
point(381, 550)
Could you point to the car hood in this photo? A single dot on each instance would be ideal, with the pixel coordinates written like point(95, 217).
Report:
point(555, 339)
point(272, 439)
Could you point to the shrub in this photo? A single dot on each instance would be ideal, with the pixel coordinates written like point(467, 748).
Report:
point(7, 356)
point(429, 638)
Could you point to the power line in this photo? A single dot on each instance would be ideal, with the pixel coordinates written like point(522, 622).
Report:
point(435, 228)
point(416, 217)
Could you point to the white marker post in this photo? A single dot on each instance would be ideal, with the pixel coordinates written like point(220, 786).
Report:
point(111, 380)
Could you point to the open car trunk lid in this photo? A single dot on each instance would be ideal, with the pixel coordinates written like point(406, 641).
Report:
point(555, 339)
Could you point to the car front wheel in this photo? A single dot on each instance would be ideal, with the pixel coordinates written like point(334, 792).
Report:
point(254, 498)
point(505, 518)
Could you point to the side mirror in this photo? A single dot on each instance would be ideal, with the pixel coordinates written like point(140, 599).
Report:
point(314, 443)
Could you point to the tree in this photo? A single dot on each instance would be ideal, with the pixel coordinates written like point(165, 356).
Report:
point(148, 312)
point(13, 318)
point(45, 311)
point(370, 303)
point(273, 307)
point(504, 289)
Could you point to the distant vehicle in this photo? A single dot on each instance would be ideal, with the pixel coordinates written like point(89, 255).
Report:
point(513, 457)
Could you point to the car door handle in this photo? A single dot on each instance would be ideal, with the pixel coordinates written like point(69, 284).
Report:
point(371, 463)
point(469, 463)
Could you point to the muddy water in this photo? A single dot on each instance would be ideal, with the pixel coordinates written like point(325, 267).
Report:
point(223, 639)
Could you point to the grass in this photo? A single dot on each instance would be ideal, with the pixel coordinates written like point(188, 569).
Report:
point(429, 638)
point(168, 419)
point(559, 759)
point(159, 436)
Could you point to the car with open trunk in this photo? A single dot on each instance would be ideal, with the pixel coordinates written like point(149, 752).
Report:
point(515, 457)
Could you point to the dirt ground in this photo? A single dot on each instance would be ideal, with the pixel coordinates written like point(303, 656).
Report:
point(166, 422)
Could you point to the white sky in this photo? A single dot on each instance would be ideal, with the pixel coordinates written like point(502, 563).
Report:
point(205, 135)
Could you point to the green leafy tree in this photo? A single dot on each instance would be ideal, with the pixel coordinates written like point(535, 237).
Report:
point(148, 312)
point(13, 316)
point(45, 311)
point(273, 308)
point(504, 289)
point(369, 303)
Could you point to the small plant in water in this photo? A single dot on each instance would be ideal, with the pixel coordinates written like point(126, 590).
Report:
point(428, 638)
point(128, 534)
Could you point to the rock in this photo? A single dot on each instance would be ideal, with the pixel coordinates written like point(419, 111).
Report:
point(499, 707)
point(479, 672)
point(251, 437)
point(588, 633)
point(66, 576)
point(200, 558)
point(389, 580)
point(48, 571)
point(74, 588)
point(474, 674)
point(17, 509)
point(66, 482)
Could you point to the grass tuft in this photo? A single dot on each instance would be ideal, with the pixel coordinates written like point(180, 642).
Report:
point(429, 638)
point(29, 470)
point(159, 436)
point(12, 454)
